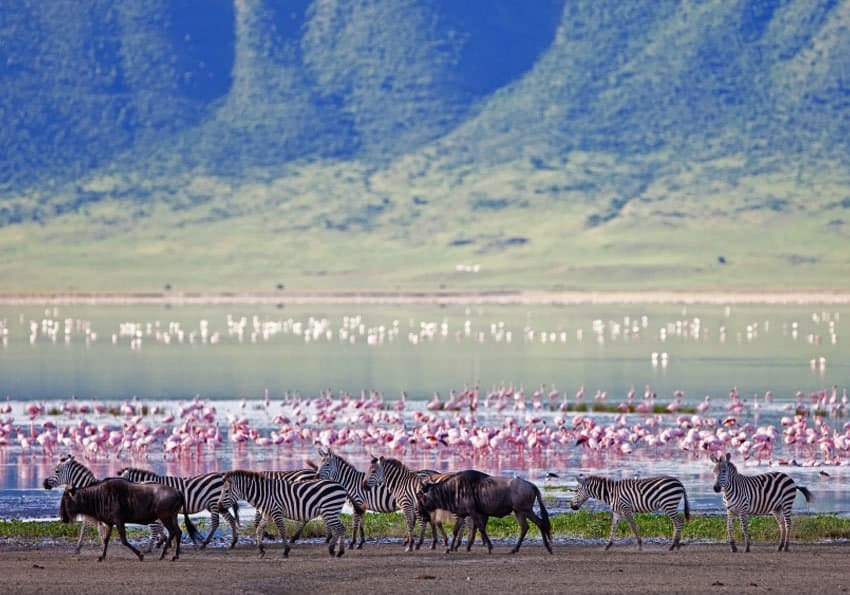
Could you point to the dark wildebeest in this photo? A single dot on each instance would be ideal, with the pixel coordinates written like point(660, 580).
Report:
point(480, 496)
point(438, 516)
point(116, 501)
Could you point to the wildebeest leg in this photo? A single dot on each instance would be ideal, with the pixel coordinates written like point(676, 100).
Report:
point(481, 523)
point(106, 537)
point(523, 529)
point(539, 522)
point(458, 528)
point(172, 525)
point(472, 528)
point(442, 529)
point(122, 533)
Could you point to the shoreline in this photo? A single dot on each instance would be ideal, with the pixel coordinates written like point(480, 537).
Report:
point(494, 297)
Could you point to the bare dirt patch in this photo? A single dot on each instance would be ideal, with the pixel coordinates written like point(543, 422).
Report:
point(386, 568)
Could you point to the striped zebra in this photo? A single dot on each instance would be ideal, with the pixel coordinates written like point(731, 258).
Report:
point(743, 495)
point(294, 475)
point(402, 483)
point(628, 496)
point(280, 499)
point(201, 492)
point(73, 474)
point(377, 499)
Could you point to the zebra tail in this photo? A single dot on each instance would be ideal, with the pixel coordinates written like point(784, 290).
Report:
point(806, 493)
point(687, 508)
point(544, 514)
point(191, 528)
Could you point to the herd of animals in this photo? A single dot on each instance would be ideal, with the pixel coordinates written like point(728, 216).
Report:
point(471, 497)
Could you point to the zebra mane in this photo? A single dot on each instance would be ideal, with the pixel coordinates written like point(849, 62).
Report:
point(137, 471)
point(395, 464)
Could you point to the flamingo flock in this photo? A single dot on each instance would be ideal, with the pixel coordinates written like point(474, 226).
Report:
point(468, 424)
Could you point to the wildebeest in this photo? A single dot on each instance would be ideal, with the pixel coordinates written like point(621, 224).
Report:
point(480, 496)
point(116, 501)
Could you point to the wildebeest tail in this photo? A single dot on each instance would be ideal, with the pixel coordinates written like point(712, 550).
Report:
point(544, 514)
point(191, 528)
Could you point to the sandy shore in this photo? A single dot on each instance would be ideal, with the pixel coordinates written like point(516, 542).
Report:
point(507, 297)
point(386, 568)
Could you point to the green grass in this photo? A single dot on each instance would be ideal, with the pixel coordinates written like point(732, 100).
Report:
point(316, 228)
point(577, 525)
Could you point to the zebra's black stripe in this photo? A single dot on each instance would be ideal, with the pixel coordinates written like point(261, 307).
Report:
point(628, 496)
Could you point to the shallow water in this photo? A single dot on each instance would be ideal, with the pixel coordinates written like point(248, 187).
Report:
point(162, 357)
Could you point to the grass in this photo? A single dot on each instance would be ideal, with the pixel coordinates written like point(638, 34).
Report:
point(575, 525)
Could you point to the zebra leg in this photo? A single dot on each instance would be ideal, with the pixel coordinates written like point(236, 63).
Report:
point(356, 522)
point(234, 533)
point(213, 525)
point(281, 527)
point(410, 517)
point(678, 523)
point(787, 517)
point(745, 529)
point(784, 529)
point(615, 520)
point(730, 530)
point(156, 537)
point(337, 530)
point(106, 537)
point(82, 533)
point(122, 533)
point(630, 519)
point(362, 534)
point(260, 526)
point(424, 521)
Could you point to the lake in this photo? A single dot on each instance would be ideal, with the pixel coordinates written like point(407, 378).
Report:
point(283, 369)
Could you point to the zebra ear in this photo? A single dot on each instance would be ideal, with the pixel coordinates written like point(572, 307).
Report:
point(728, 456)
point(322, 452)
point(581, 479)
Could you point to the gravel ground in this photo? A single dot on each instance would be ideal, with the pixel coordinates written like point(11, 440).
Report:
point(41, 567)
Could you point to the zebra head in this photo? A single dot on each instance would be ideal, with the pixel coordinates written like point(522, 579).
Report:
point(723, 469)
point(328, 465)
point(63, 473)
point(582, 494)
point(375, 475)
point(228, 498)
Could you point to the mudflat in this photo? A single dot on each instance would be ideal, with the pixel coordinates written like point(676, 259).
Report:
point(387, 568)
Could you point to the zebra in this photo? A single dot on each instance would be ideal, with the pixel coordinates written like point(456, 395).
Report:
point(279, 499)
point(378, 498)
point(402, 483)
point(628, 496)
point(744, 495)
point(201, 492)
point(294, 475)
point(73, 474)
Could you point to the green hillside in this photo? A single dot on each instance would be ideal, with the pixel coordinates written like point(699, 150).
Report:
point(385, 144)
